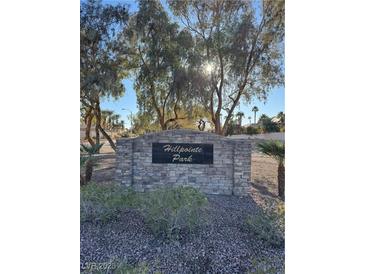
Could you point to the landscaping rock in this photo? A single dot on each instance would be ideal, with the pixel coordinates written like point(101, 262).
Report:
point(221, 245)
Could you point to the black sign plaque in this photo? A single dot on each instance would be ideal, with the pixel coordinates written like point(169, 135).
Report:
point(182, 153)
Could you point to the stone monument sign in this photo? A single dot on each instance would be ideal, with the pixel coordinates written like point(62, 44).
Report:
point(212, 163)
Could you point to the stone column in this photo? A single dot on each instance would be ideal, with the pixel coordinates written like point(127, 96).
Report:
point(124, 164)
point(242, 167)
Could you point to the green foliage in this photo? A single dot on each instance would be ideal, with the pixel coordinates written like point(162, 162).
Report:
point(267, 124)
point(268, 225)
point(104, 202)
point(281, 117)
point(274, 149)
point(239, 41)
point(255, 109)
point(145, 122)
point(250, 130)
point(88, 161)
point(169, 212)
point(102, 63)
point(234, 129)
point(82, 161)
point(161, 51)
point(91, 149)
point(240, 115)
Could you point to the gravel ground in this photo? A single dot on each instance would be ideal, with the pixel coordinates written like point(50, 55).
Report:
point(221, 245)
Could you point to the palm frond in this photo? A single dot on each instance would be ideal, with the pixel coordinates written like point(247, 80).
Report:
point(91, 149)
point(274, 149)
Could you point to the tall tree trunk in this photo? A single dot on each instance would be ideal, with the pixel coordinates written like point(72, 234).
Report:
point(98, 120)
point(114, 147)
point(254, 117)
point(217, 125)
point(88, 170)
point(163, 125)
point(281, 180)
point(97, 134)
point(88, 128)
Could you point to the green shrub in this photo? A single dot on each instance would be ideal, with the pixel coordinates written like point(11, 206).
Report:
point(171, 211)
point(250, 130)
point(268, 225)
point(104, 202)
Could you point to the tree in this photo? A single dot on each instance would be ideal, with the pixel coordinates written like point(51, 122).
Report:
point(88, 161)
point(281, 117)
point(106, 118)
point(161, 51)
point(103, 60)
point(144, 122)
point(249, 119)
point(241, 52)
point(255, 109)
point(240, 115)
point(263, 118)
point(267, 124)
point(276, 149)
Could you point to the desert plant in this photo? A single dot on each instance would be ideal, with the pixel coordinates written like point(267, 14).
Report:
point(102, 202)
point(250, 130)
point(276, 149)
point(268, 224)
point(88, 161)
point(171, 211)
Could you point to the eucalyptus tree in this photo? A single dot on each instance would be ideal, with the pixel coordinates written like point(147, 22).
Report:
point(241, 45)
point(102, 59)
point(162, 75)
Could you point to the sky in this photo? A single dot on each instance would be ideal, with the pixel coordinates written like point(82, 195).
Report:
point(128, 103)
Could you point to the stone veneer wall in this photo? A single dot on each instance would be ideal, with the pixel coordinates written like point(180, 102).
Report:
point(230, 172)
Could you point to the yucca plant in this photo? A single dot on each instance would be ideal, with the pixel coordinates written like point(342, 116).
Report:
point(276, 149)
point(88, 161)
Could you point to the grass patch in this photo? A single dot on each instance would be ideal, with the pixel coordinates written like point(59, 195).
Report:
point(268, 224)
point(169, 212)
point(103, 202)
